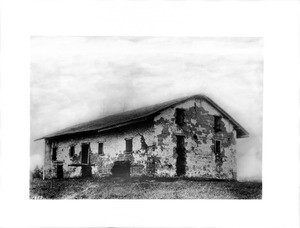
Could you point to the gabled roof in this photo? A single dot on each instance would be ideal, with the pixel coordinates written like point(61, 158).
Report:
point(138, 115)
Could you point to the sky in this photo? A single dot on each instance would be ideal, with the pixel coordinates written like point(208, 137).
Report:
point(76, 79)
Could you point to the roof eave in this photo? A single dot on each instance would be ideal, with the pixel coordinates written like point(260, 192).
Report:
point(243, 133)
point(96, 130)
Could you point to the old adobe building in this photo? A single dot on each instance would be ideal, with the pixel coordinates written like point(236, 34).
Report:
point(190, 136)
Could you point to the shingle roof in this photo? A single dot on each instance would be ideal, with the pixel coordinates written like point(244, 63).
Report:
point(137, 115)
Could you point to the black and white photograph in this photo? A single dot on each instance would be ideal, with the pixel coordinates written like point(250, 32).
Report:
point(164, 113)
point(146, 117)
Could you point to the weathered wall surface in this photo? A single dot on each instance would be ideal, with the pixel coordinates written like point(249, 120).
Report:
point(113, 148)
point(154, 146)
point(48, 166)
point(200, 137)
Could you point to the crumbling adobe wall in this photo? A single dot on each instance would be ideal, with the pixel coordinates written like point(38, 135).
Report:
point(113, 148)
point(154, 146)
point(200, 137)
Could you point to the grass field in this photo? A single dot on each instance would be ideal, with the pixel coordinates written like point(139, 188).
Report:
point(143, 188)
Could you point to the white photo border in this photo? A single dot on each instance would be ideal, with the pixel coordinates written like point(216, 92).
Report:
point(276, 21)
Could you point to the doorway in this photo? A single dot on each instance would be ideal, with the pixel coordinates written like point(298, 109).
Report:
point(85, 165)
point(121, 169)
point(84, 153)
point(181, 156)
point(60, 171)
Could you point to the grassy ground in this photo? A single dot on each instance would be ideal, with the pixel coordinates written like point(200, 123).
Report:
point(143, 188)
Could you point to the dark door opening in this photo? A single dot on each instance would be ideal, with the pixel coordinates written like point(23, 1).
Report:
point(60, 171)
point(181, 158)
point(86, 171)
point(121, 169)
point(85, 168)
point(84, 153)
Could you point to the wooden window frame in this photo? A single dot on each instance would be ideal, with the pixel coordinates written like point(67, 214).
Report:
point(217, 123)
point(102, 148)
point(179, 116)
point(72, 152)
point(126, 145)
point(54, 154)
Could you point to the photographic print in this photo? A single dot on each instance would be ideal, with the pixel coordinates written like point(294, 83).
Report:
point(146, 118)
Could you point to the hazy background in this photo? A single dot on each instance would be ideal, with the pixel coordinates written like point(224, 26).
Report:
point(76, 79)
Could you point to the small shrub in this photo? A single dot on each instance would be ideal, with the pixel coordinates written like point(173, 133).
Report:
point(37, 173)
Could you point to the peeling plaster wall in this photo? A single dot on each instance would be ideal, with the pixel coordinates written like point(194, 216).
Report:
point(154, 146)
point(113, 148)
point(200, 138)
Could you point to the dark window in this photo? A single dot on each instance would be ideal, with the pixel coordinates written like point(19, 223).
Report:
point(128, 145)
point(218, 151)
point(218, 147)
point(179, 116)
point(72, 151)
point(54, 151)
point(195, 137)
point(217, 124)
point(100, 149)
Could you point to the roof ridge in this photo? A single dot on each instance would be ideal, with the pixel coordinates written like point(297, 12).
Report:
point(117, 119)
